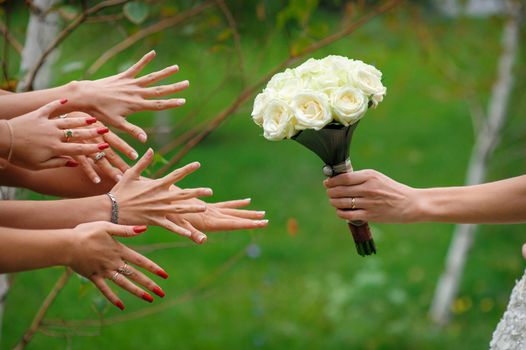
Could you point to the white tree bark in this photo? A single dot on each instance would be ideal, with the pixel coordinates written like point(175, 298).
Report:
point(487, 139)
point(41, 31)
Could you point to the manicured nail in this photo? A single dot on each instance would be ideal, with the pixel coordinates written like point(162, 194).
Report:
point(162, 274)
point(134, 155)
point(140, 229)
point(247, 199)
point(63, 101)
point(97, 180)
point(91, 120)
point(181, 101)
point(102, 146)
point(201, 239)
point(262, 222)
point(147, 297)
point(71, 164)
point(158, 291)
point(101, 131)
point(262, 213)
point(186, 82)
point(142, 137)
point(120, 305)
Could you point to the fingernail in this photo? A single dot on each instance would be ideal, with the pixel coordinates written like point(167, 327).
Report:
point(118, 177)
point(262, 213)
point(102, 146)
point(181, 101)
point(263, 222)
point(158, 291)
point(91, 120)
point(97, 180)
point(140, 229)
point(209, 192)
point(186, 82)
point(120, 305)
point(101, 131)
point(134, 155)
point(201, 208)
point(142, 137)
point(175, 66)
point(248, 199)
point(63, 101)
point(162, 274)
point(147, 297)
point(201, 239)
point(71, 164)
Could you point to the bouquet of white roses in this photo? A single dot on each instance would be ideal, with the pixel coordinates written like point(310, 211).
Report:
point(319, 104)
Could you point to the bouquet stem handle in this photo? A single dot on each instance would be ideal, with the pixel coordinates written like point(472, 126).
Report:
point(361, 233)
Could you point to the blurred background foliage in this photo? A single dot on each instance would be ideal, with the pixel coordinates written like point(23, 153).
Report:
point(299, 283)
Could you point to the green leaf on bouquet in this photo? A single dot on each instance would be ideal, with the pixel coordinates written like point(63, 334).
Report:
point(136, 11)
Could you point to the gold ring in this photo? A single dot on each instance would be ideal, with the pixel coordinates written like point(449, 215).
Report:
point(68, 134)
point(353, 203)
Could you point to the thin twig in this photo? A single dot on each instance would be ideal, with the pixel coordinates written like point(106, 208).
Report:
point(237, 41)
point(249, 91)
point(39, 316)
point(154, 28)
point(10, 38)
point(65, 33)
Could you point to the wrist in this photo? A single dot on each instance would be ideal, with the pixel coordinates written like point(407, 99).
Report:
point(5, 139)
point(65, 246)
point(77, 93)
point(430, 205)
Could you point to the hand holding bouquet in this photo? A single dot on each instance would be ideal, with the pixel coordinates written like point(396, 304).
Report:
point(319, 104)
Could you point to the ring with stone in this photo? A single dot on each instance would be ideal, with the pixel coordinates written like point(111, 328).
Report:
point(99, 156)
point(115, 276)
point(68, 134)
point(125, 270)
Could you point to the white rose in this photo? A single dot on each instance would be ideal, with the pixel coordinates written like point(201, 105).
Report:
point(259, 106)
point(278, 121)
point(371, 69)
point(348, 105)
point(311, 109)
point(308, 68)
point(369, 82)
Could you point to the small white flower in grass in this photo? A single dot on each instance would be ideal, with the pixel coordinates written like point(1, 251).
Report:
point(278, 121)
point(348, 105)
point(311, 109)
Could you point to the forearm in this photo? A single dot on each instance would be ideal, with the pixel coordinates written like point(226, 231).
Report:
point(56, 214)
point(16, 104)
point(496, 202)
point(61, 182)
point(31, 249)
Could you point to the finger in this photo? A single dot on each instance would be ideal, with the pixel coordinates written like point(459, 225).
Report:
point(70, 123)
point(348, 179)
point(347, 191)
point(107, 292)
point(232, 223)
point(114, 159)
point(238, 203)
point(180, 209)
point(245, 214)
point(163, 90)
point(352, 215)
point(347, 203)
point(125, 284)
point(160, 105)
point(139, 277)
point(154, 77)
point(75, 135)
point(120, 145)
point(172, 226)
point(132, 129)
point(124, 230)
point(76, 149)
point(196, 236)
point(181, 173)
point(48, 110)
point(188, 193)
point(524, 251)
point(58, 162)
point(105, 166)
point(141, 165)
point(135, 258)
point(139, 66)
point(88, 168)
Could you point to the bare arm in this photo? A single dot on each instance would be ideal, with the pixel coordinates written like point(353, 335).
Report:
point(377, 197)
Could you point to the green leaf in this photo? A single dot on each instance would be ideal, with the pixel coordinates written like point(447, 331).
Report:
point(136, 11)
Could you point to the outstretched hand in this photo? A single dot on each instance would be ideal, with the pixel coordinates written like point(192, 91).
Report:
point(97, 256)
point(112, 99)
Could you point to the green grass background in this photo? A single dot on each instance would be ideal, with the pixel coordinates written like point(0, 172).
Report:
point(309, 290)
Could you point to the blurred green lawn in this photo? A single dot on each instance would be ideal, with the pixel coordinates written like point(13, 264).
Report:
point(310, 290)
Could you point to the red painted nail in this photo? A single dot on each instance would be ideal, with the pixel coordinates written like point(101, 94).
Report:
point(91, 120)
point(162, 273)
point(103, 146)
point(63, 101)
point(158, 291)
point(140, 229)
point(120, 305)
point(101, 131)
point(147, 297)
point(71, 164)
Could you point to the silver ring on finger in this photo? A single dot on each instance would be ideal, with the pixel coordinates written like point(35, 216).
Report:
point(63, 116)
point(353, 203)
point(115, 276)
point(125, 270)
point(99, 156)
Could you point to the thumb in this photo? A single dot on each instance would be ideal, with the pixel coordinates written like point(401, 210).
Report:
point(141, 164)
point(57, 162)
point(124, 230)
point(49, 109)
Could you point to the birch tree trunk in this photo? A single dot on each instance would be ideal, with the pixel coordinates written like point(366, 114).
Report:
point(41, 30)
point(486, 142)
